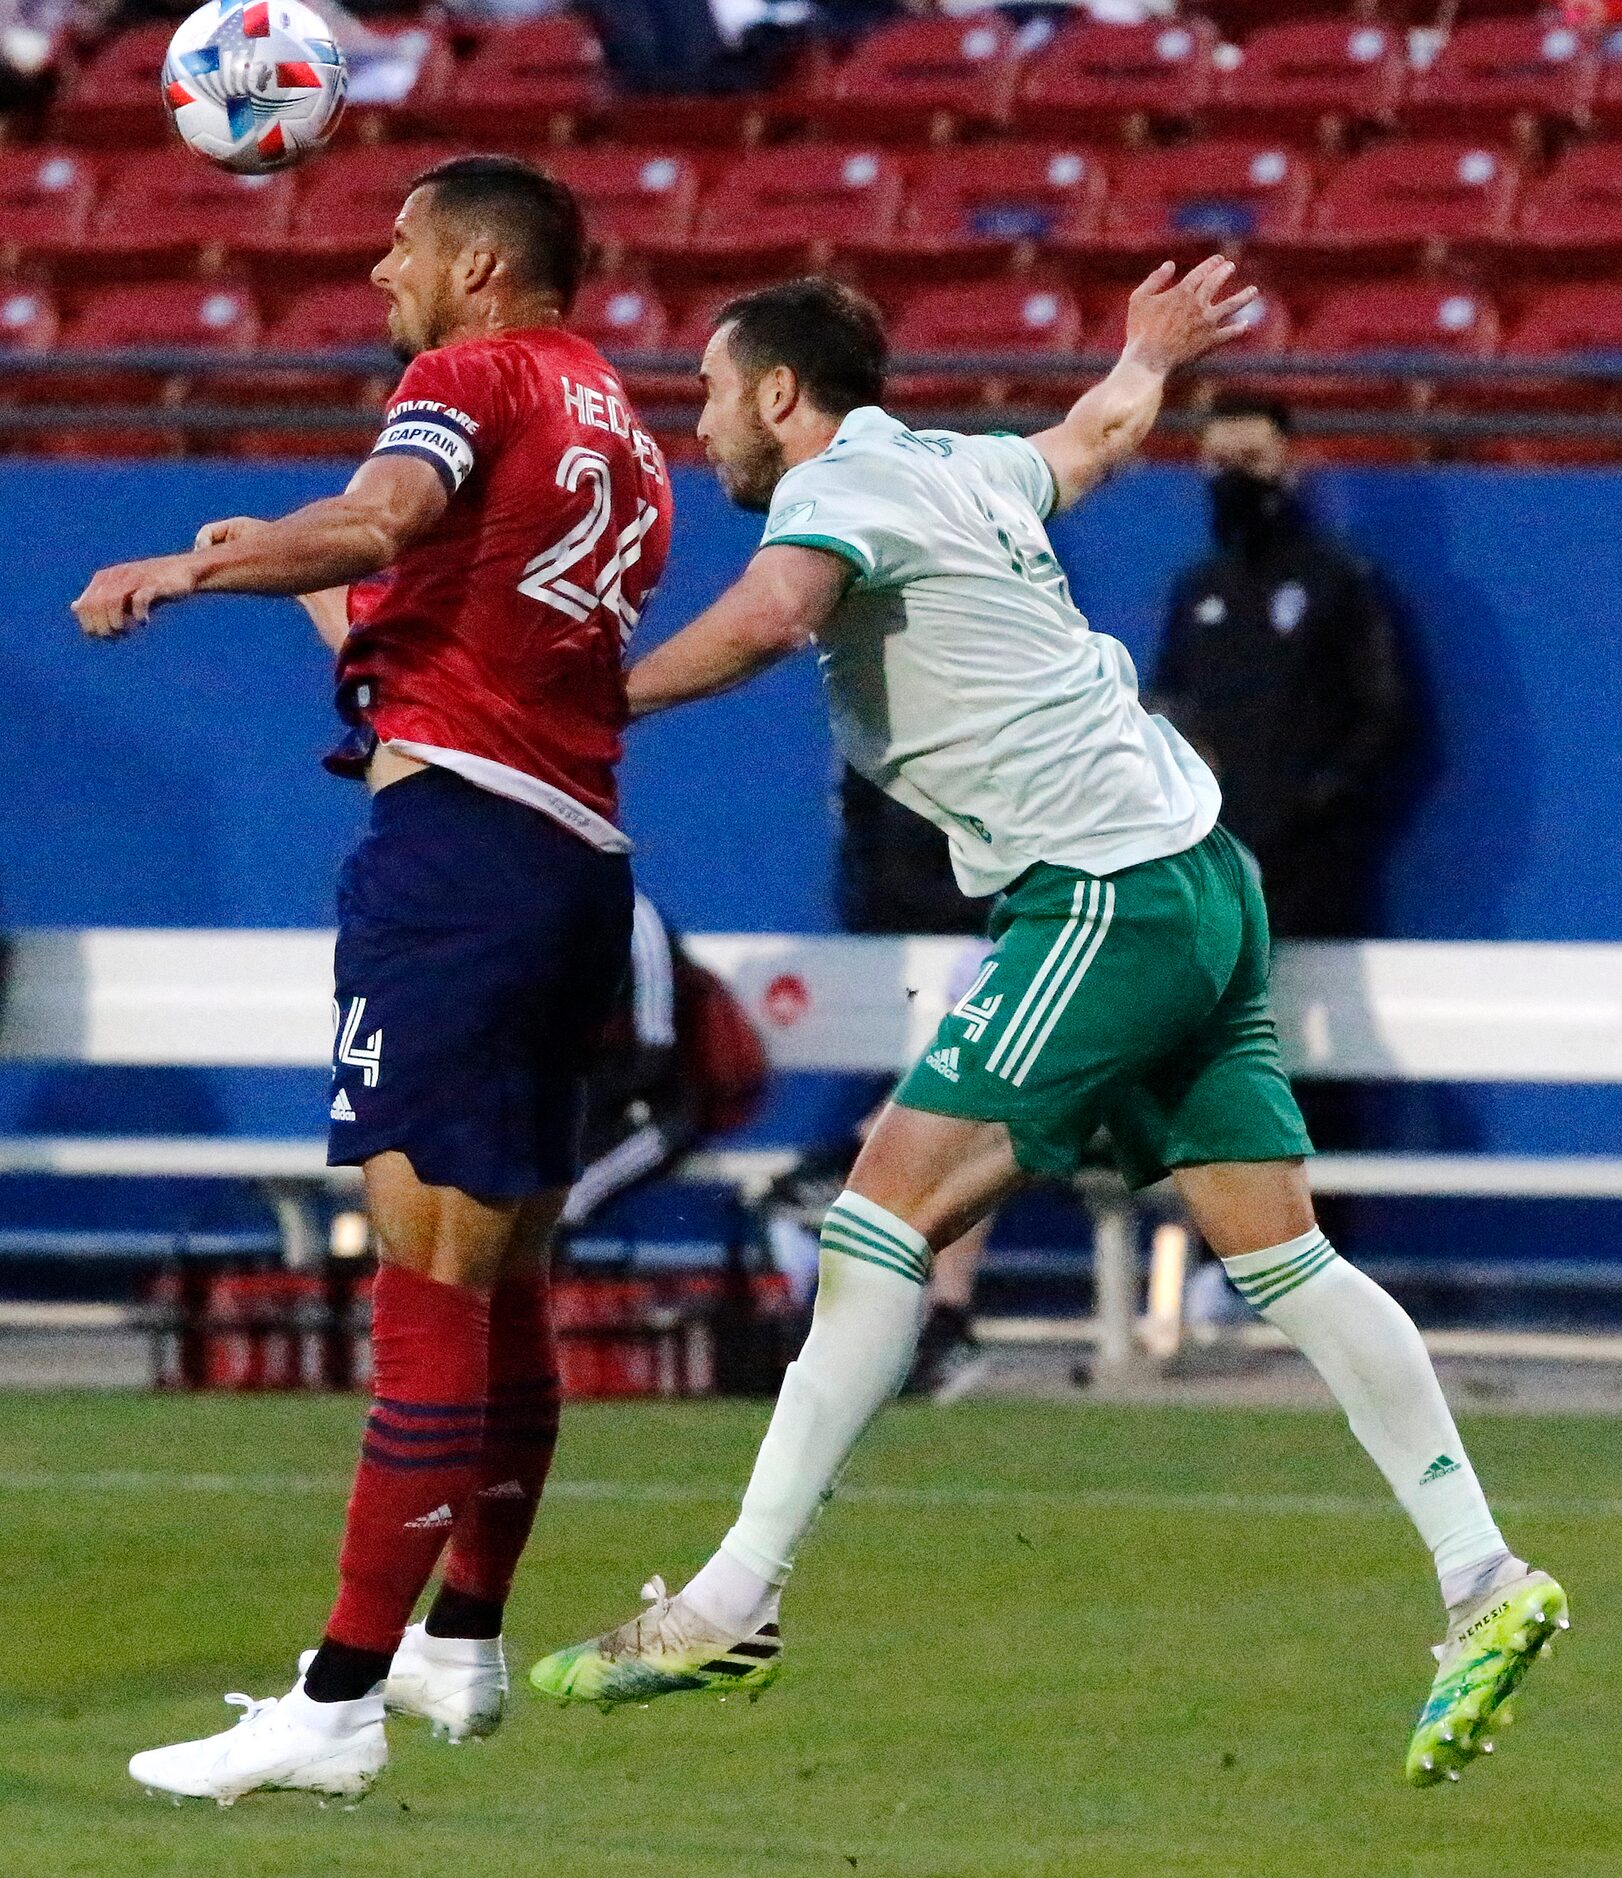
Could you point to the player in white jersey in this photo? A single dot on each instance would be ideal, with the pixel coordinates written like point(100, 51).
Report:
point(1127, 988)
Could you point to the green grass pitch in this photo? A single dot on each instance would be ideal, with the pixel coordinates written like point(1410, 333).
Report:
point(1029, 1641)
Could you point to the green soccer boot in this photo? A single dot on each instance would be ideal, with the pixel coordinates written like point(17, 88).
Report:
point(665, 1650)
point(1488, 1649)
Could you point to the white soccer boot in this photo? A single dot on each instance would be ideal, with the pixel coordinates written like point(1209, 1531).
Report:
point(457, 1683)
point(280, 1743)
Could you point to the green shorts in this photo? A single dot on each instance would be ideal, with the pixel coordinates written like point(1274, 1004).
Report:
point(1135, 1002)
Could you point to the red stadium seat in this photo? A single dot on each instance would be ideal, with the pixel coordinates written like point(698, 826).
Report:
point(348, 318)
point(163, 208)
point(1607, 103)
point(1185, 203)
point(988, 202)
point(1498, 75)
point(1392, 316)
point(922, 75)
point(1572, 219)
point(114, 98)
point(45, 201)
point(1582, 317)
point(1237, 19)
point(158, 314)
point(620, 318)
point(1028, 318)
point(345, 205)
point(1311, 76)
point(793, 205)
point(1098, 78)
point(519, 82)
point(638, 200)
point(165, 313)
point(29, 319)
point(1400, 201)
point(351, 317)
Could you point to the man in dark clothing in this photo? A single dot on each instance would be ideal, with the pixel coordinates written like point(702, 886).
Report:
point(1282, 665)
point(895, 872)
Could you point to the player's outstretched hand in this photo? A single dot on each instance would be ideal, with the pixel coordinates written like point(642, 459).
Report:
point(1172, 322)
point(233, 528)
point(121, 598)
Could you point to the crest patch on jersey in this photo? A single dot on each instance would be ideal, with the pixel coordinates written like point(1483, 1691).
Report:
point(796, 515)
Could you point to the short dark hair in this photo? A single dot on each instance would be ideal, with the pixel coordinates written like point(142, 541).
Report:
point(828, 335)
point(535, 216)
point(1238, 403)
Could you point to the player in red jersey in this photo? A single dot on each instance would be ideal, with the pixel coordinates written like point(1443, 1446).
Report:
point(479, 578)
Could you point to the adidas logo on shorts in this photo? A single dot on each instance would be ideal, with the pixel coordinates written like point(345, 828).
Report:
point(342, 1109)
point(503, 1490)
point(945, 1062)
point(430, 1522)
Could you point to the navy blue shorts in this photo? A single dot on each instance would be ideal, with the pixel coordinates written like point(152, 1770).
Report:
point(480, 950)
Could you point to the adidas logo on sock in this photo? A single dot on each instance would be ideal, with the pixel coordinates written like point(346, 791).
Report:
point(945, 1062)
point(430, 1522)
point(342, 1109)
point(503, 1490)
point(1443, 1465)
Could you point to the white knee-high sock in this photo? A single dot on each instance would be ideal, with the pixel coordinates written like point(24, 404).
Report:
point(1366, 1348)
point(870, 1305)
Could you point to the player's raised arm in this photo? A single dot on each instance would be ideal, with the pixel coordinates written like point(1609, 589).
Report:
point(771, 610)
point(1169, 322)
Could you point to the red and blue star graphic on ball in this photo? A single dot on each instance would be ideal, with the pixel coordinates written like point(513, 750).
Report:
point(249, 87)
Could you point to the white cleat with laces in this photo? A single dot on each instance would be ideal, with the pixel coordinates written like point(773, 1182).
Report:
point(457, 1683)
point(279, 1744)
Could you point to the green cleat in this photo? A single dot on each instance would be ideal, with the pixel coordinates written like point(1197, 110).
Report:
point(1479, 1666)
point(664, 1651)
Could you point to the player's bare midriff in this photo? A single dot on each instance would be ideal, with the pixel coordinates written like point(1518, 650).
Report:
point(390, 766)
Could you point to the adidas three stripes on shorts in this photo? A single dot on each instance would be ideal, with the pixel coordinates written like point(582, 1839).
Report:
point(1135, 1002)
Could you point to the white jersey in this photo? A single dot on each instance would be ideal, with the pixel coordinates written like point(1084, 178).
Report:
point(961, 678)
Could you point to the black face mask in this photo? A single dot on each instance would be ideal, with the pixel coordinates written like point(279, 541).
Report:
point(1248, 511)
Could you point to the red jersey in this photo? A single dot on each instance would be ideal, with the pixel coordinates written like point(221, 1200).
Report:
point(494, 645)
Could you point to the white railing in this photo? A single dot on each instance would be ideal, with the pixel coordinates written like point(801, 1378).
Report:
point(1406, 1011)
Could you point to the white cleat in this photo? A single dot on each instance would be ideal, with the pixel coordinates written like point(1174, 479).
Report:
point(279, 1744)
point(457, 1683)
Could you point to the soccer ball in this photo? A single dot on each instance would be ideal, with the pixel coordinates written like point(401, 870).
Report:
point(254, 85)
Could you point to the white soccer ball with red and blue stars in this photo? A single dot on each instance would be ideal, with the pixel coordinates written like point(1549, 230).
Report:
point(256, 86)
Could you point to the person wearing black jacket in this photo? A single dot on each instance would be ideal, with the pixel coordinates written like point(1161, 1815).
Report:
point(1282, 664)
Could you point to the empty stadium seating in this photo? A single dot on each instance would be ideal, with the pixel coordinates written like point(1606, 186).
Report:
point(1116, 77)
point(1572, 220)
point(521, 83)
point(1494, 76)
point(1311, 78)
point(180, 314)
point(1353, 323)
point(112, 98)
point(791, 207)
point(1027, 320)
point(996, 183)
point(46, 196)
point(922, 76)
point(161, 209)
point(641, 199)
point(980, 207)
point(1219, 193)
point(345, 207)
point(1399, 203)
